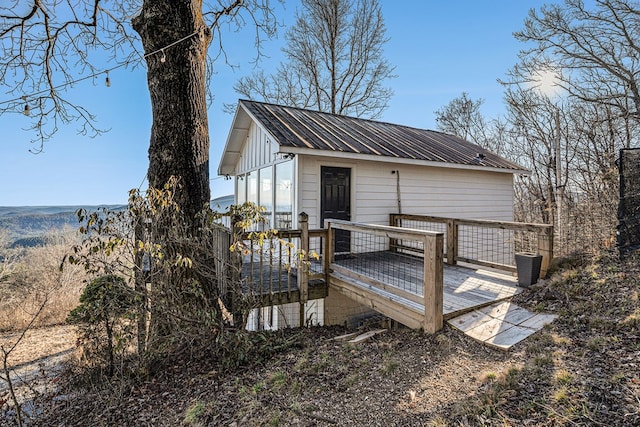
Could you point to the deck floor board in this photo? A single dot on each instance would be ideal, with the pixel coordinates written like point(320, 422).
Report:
point(464, 289)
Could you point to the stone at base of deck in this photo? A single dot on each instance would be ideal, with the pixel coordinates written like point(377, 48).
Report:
point(501, 325)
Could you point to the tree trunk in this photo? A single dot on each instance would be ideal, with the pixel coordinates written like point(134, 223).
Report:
point(177, 84)
point(175, 39)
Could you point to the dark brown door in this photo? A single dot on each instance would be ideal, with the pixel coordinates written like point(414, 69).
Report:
point(335, 184)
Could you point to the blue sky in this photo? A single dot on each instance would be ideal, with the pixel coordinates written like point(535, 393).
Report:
point(439, 48)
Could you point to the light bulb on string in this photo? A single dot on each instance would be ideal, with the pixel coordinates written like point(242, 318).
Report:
point(27, 109)
point(64, 85)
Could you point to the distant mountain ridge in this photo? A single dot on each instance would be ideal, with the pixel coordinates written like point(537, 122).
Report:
point(50, 210)
point(27, 225)
point(28, 222)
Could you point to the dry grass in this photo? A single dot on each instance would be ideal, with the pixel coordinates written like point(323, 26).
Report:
point(33, 279)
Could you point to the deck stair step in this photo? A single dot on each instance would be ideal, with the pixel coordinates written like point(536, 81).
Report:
point(345, 337)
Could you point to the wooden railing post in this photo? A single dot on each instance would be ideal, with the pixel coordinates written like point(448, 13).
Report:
point(303, 268)
point(452, 241)
point(545, 248)
point(393, 222)
point(328, 251)
point(234, 291)
point(433, 283)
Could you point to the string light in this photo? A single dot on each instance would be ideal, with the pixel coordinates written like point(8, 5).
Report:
point(27, 109)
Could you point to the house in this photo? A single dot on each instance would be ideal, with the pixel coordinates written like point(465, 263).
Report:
point(292, 160)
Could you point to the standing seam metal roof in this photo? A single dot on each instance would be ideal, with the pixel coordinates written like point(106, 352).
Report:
point(300, 128)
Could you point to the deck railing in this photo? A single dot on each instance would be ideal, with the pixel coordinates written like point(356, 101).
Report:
point(227, 264)
point(405, 287)
point(269, 265)
point(269, 268)
point(484, 242)
point(284, 262)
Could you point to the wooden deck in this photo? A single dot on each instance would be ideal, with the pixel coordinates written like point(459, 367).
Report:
point(380, 278)
point(274, 285)
point(467, 288)
point(464, 288)
point(398, 272)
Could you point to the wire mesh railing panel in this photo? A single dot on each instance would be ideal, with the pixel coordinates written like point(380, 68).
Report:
point(316, 254)
point(374, 257)
point(220, 241)
point(412, 246)
point(525, 241)
point(489, 245)
point(484, 242)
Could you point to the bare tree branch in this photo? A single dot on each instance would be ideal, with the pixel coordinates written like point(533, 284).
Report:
point(334, 61)
point(596, 51)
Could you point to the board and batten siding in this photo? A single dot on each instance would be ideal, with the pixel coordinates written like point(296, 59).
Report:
point(259, 150)
point(447, 192)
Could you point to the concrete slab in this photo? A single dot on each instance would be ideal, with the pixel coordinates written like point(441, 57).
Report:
point(501, 325)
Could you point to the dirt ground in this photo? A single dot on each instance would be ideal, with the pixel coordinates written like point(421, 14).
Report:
point(39, 344)
point(400, 377)
point(582, 370)
point(35, 360)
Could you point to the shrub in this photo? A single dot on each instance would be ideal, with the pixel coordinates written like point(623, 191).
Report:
point(105, 315)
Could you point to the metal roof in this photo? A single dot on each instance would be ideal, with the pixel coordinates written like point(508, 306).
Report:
point(301, 130)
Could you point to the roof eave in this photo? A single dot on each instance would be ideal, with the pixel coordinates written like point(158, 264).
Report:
point(399, 160)
point(235, 141)
point(237, 136)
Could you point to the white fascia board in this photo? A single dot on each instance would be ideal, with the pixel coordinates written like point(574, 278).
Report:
point(404, 161)
point(234, 143)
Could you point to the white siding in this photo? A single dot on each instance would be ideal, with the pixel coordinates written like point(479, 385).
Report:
point(444, 192)
point(259, 150)
point(309, 188)
point(424, 190)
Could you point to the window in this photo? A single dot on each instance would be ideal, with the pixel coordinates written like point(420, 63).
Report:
point(252, 187)
point(266, 192)
point(284, 195)
point(241, 182)
point(272, 188)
